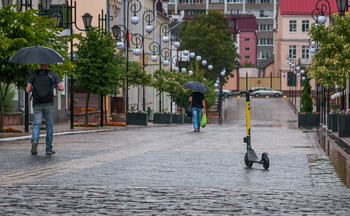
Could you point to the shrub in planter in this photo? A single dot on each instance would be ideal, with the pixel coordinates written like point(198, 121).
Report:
point(187, 119)
point(136, 118)
point(306, 118)
point(162, 118)
point(177, 118)
point(333, 120)
point(344, 123)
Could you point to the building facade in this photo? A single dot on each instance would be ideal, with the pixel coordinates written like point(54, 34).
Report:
point(292, 39)
point(264, 11)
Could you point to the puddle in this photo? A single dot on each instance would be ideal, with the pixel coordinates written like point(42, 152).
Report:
point(338, 153)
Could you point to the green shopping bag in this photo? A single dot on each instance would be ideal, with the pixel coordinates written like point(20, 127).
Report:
point(204, 120)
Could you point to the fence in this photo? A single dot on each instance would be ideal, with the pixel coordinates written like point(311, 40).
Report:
point(272, 82)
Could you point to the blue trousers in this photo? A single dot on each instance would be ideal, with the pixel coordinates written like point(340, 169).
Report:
point(47, 111)
point(197, 117)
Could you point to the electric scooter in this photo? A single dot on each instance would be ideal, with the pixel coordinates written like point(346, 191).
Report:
point(251, 157)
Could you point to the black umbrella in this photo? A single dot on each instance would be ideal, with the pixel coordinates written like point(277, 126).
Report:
point(36, 55)
point(196, 86)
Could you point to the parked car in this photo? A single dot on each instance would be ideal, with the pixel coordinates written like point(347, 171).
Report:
point(265, 91)
point(225, 92)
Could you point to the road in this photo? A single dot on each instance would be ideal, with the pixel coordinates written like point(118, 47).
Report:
point(171, 170)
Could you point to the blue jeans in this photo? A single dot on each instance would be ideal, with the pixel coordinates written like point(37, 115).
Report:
point(43, 110)
point(197, 117)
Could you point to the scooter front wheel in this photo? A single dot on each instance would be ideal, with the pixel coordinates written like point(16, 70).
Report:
point(247, 162)
point(266, 160)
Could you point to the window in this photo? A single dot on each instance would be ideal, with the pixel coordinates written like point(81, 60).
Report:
point(265, 41)
point(305, 52)
point(192, 12)
point(247, 57)
point(292, 26)
point(265, 27)
point(216, 1)
point(262, 13)
point(234, 1)
point(246, 39)
point(265, 54)
point(305, 25)
point(292, 51)
point(234, 12)
point(247, 48)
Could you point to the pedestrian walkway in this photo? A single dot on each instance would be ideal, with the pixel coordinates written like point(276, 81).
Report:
point(146, 170)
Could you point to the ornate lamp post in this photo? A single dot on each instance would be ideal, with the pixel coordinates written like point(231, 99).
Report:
point(318, 14)
point(148, 16)
point(28, 5)
point(87, 18)
point(119, 33)
point(165, 53)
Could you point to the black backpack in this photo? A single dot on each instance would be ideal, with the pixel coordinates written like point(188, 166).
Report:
point(43, 87)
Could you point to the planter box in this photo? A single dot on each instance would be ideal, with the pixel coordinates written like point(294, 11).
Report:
point(159, 118)
point(329, 125)
point(93, 117)
point(308, 120)
point(344, 125)
point(177, 119)
point(11, 119)
point(187, 119)
point(136, 119)
point(334, 123)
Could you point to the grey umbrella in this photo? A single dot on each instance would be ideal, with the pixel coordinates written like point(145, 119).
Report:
point(36, 55)
point(196, 86)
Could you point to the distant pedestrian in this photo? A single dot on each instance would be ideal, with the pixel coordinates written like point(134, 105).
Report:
point(42, 83)
point(198, 107)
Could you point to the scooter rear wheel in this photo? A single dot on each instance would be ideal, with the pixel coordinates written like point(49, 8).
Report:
point(266, 161)
point(247, 162)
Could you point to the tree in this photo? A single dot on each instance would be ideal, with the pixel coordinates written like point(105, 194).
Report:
point(98, 64)
point(208, 36)
point(306, 99)
point(331, 62)
point(22, 29)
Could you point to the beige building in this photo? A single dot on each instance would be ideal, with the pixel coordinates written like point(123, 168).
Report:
point(292, 43)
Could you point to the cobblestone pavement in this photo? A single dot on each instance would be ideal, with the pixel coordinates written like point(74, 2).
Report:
point(171, 170)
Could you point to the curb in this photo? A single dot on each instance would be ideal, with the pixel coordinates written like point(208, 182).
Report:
point(55, 134)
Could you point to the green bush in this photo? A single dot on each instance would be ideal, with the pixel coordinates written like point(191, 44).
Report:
point(306, 99)
point(8, 99)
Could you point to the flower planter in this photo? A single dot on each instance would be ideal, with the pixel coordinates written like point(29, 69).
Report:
point(177, 119)
point(308, 120)
point(160, 118)
point(93, 117)
point(329, 125)
point(136, 119)
point(344, 125)
point(187, 120)
point(15, 118)
point(334, 122)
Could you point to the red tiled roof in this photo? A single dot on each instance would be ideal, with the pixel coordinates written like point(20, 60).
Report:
point(304, 7)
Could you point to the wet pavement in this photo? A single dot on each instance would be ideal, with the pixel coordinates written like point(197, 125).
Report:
point(171, 170)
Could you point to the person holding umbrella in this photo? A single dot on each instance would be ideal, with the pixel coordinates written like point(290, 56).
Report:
point(198, 102)
point(41, 83)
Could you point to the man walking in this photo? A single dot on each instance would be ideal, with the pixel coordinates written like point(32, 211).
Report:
point(41, 83)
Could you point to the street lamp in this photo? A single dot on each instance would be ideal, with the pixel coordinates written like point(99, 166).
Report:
point(148, 16)
point(155, 48)
point(342, 6)
point(87, 18)
point(117, 33)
